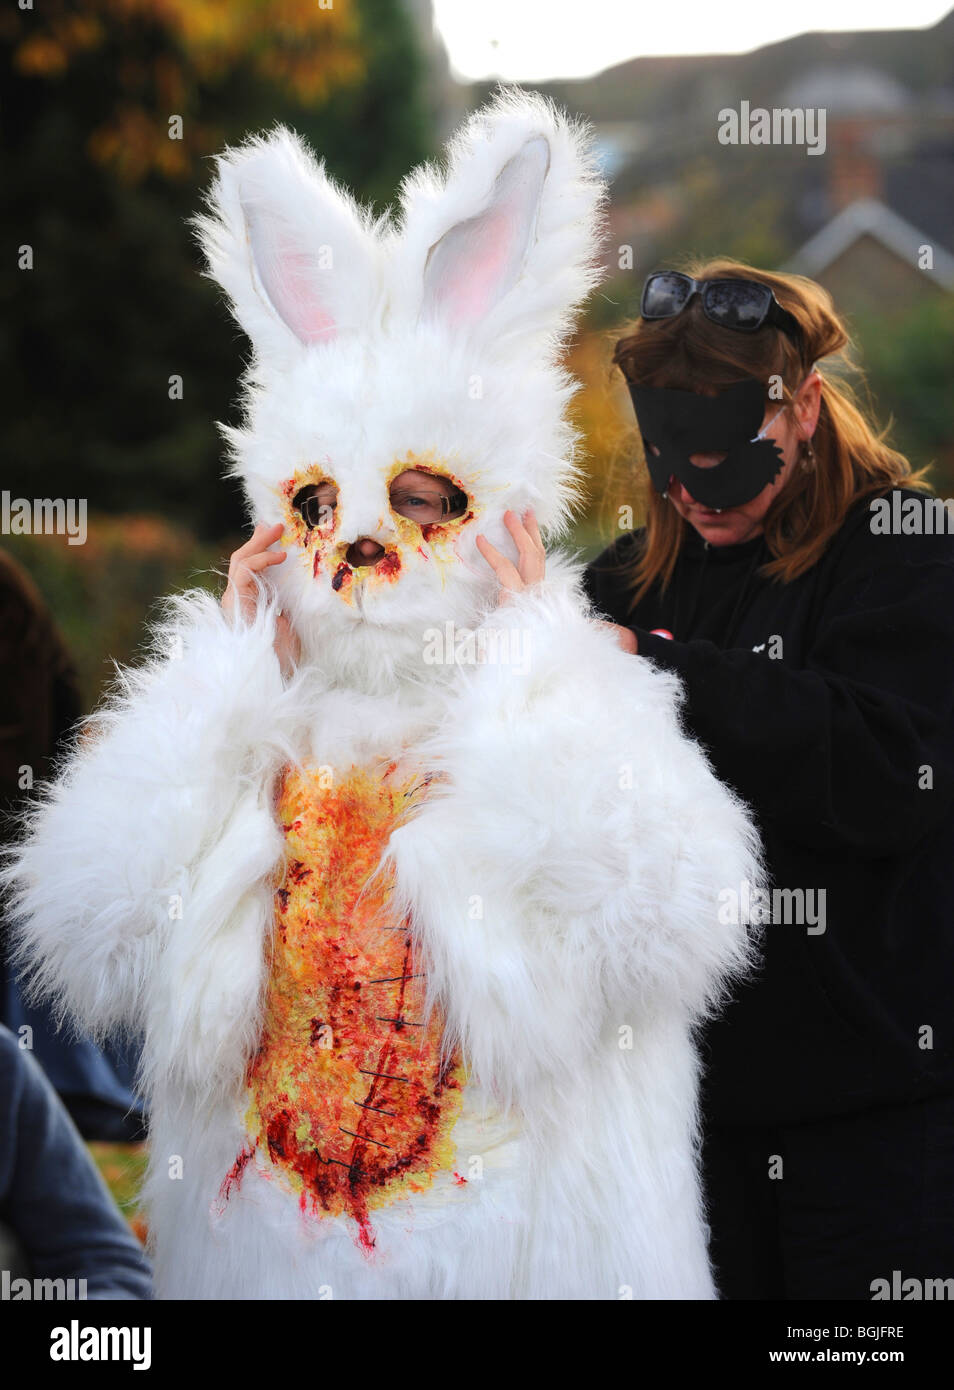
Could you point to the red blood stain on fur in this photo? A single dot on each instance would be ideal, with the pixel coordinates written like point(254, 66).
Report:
point(233, 1177)
point(365, 1236)
point(444, 530)
point(297, 871)
point(353, 1096)
point(389, 566)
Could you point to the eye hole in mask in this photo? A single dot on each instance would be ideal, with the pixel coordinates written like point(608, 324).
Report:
point(428, 501)
point(715, 455)
point(316, 505)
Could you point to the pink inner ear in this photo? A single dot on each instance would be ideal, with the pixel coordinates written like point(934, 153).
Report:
point(477, 262)
point(289, 276)
point(305, 314)
point(470, 296)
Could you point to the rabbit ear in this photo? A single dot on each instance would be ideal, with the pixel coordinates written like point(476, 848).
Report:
point(509, 239)
point(480, 259)
point(293, 252)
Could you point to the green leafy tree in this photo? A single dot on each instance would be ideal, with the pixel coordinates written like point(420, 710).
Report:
point(909, 362)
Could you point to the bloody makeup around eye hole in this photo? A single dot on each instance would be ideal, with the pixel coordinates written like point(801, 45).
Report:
point(415, 494)
point(413, 522)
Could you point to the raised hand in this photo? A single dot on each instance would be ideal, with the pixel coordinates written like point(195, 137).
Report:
point(531, 556)
point(241, 592)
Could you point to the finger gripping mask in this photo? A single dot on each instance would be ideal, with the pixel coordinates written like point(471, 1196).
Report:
point(680, 423)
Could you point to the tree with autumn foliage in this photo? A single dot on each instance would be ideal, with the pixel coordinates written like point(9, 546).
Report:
point(119, 356)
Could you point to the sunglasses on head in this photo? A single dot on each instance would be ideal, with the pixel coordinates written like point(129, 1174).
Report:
point(742, 305)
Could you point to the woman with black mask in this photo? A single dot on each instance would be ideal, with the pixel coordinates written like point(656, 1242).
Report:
point(799, 577)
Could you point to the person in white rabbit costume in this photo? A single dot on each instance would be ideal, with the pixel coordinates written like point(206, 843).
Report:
point(419, 925)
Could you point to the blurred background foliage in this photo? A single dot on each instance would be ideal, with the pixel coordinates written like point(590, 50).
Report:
point(123, 1168)
point(908, 358)
point(101, 592)
point(115, 306)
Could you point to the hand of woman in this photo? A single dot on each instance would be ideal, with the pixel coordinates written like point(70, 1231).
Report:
point(251, 559)
point(531, 556)
point(625, 636)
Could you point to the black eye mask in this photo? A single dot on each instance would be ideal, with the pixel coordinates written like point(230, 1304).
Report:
point(681, 423)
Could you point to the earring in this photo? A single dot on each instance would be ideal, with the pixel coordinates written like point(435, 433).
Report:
point(808, 455)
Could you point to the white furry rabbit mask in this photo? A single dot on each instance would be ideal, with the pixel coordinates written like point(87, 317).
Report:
point(432, 345)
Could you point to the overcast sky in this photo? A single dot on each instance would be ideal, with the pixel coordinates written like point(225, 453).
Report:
point(539, 39)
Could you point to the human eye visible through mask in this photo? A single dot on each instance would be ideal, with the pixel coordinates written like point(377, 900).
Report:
point(317, 503)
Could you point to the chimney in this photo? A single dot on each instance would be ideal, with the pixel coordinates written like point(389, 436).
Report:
point(854, 169)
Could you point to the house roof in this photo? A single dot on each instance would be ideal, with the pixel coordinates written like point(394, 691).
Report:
point(869, 217)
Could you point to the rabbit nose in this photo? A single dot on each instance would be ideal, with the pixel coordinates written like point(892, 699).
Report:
point(364, 551)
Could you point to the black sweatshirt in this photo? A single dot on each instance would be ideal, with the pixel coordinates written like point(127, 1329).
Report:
point(841, 740)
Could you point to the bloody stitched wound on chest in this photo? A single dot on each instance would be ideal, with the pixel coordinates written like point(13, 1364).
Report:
point(352, 1096)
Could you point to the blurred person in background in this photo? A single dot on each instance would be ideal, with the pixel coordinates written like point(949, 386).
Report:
point(58, 1220)
point(814, 637)
point(39, 706)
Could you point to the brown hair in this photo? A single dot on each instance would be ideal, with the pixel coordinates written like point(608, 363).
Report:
point(688, 352)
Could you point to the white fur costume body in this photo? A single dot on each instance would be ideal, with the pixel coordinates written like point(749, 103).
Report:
point(561, 876)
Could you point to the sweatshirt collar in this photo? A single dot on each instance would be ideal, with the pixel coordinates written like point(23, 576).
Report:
point(695, 548)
